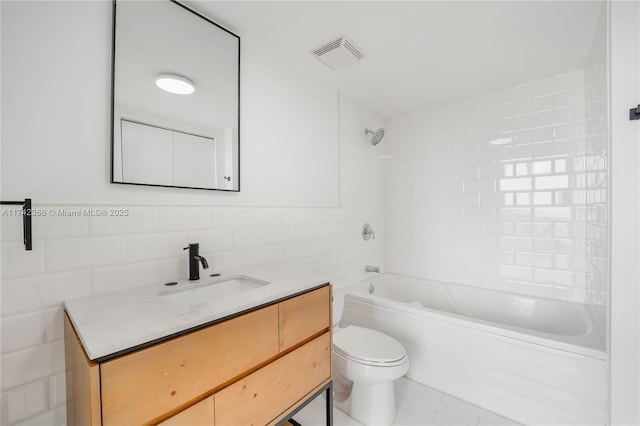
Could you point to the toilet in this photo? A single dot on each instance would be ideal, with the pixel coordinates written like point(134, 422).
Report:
point(365, 364)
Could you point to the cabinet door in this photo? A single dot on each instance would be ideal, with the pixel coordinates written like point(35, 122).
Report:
point(147, 154)
point(194, 161)
point(267, 393)
point(303, 316)
point(200, 414)
point(145, 385)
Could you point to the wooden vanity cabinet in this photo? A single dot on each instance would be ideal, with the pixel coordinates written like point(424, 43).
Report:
point(252, 369)
point(200, 413)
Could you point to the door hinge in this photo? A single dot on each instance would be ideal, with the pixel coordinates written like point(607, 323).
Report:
point(634, 113)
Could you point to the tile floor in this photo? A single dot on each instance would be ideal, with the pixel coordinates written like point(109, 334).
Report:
point(417, 405)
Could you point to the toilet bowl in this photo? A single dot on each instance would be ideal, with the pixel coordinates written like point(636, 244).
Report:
point(366, 363)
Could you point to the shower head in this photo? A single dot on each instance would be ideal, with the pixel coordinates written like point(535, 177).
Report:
point(376, 136)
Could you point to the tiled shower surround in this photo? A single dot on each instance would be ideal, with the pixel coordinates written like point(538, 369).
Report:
point(596, 181)
point(490, 191)
point(75, 256)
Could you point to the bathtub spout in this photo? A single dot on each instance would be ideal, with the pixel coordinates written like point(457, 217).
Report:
point(375, 269)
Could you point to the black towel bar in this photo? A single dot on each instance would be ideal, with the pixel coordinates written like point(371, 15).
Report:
point(26, 220)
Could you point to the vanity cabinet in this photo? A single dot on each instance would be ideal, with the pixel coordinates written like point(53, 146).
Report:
point(200, 413)
point(255, 368)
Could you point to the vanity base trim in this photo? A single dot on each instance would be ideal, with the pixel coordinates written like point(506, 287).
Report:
point(327, 389)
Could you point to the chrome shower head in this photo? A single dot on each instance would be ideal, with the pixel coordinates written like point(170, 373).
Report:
point(376, 136)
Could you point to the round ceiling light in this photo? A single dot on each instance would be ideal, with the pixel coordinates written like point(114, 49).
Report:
point(174, 83)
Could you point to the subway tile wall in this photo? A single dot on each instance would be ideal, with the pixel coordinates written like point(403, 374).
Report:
point(75, 256)
point(597, 180)
point(490, 191)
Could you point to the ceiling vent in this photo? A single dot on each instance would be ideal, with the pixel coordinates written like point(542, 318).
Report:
point(338, 53)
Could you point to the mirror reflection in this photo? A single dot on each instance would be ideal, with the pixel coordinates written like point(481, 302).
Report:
point(175, 98)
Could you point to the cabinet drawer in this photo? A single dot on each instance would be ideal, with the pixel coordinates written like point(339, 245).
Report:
point(139, 387)
point(200, 414)
point(303, 316)
point(263, 395)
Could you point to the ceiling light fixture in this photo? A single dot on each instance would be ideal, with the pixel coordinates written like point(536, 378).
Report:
point(174, 83)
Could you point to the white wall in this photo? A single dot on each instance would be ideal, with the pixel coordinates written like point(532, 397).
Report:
point(509, 217)
point(286, 121)
point(62, 51)
point(624, 44)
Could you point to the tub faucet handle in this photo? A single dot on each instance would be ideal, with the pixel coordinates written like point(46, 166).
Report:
point(375, 269)
point(367, 232)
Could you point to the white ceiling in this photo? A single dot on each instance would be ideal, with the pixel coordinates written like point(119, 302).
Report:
point(418, 53)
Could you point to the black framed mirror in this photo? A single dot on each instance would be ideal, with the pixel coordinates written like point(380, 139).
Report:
point(175, 98)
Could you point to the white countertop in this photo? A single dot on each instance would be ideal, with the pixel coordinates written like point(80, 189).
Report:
point(112, 322)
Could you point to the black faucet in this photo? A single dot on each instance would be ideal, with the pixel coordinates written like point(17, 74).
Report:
point(194, 257)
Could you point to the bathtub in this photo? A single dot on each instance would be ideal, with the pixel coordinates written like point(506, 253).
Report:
point(534, 360)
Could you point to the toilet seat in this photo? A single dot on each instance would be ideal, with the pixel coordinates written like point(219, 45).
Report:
point(370, 347)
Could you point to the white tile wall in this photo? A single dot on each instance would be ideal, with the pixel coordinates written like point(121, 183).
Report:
point(75, 256)
point(16, 262)
point(512, 216)
point(184, 218)
point(26, 401)
point(140, 220)
point(597, 181)
point(33, 331)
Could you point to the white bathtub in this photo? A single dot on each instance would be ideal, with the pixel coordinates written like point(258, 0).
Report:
point(534, 360)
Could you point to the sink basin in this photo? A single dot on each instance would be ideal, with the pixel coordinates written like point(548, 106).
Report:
point(214, 289)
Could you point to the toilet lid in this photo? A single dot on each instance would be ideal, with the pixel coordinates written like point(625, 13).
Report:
point(368, 345)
